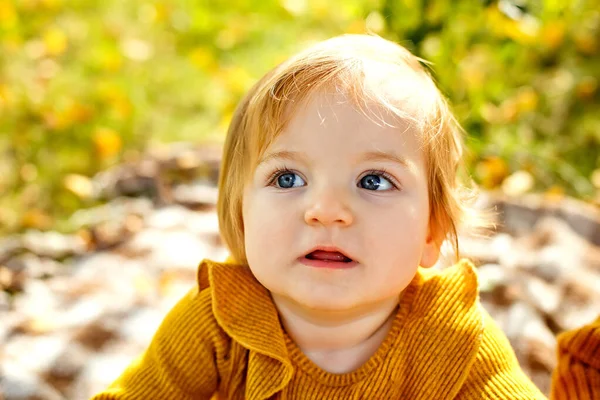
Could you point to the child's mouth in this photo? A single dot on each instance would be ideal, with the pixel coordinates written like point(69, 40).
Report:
point(335, 256)
point(327, 259)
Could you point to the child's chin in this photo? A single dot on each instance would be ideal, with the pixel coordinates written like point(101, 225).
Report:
point(328, 301)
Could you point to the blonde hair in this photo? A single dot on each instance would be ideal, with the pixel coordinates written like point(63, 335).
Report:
point(368, 70)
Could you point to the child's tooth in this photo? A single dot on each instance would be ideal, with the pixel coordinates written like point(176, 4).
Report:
point(328, 255)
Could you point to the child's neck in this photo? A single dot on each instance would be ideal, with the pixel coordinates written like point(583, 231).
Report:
point(337, 342)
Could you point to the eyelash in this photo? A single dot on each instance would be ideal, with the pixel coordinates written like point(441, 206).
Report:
point(277, 173)
point(381, 172)
point(384, 173)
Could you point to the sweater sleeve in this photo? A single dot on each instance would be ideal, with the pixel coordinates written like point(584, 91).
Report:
point(180, 362)
point(496, 374)
point(578, 373)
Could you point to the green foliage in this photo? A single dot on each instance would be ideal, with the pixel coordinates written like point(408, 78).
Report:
point(85, 84)
point(523, 77)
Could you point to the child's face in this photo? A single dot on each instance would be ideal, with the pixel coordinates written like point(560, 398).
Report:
point(331, 192)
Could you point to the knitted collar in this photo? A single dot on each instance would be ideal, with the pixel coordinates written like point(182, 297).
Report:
point(442, 330)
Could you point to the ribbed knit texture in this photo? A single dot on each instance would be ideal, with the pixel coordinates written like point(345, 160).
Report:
point(577, 376)
point(224, 339)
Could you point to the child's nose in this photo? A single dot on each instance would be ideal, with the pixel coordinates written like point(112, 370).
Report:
point(328, 207)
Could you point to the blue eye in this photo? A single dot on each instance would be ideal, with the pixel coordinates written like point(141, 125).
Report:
point(376, 181)
point(288, 179)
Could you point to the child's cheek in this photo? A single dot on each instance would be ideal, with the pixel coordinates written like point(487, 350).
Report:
point(269, 217)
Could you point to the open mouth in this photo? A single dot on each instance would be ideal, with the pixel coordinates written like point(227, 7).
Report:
point(328, 256)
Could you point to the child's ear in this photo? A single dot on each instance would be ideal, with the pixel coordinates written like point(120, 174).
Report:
point(431, 251)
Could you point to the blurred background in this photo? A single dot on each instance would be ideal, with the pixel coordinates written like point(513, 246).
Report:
point(86, 84)
point(112, 114)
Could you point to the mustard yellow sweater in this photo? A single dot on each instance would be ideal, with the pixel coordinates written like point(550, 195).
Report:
point(224, 340)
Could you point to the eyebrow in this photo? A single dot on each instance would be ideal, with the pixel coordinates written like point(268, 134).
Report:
point(379, 155)
point(376, 155)
point(283, 154)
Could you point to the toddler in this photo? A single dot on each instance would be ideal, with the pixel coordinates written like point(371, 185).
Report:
point(338, 187)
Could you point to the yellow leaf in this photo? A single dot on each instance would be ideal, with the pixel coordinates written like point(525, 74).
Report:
point(78, 112)
point(4, 96)
point(553, 34)
point(495, 21)
point(320, 9)
point(36, 219)
point(109, 92)
point(225, 121)
point(55, 41)
point(555, 193)
point(586, 43)
point(491, 172)
point(122, 107)
point(524, 30)
point(237, 79)
point(527, 99)
point(66, 115)
point(8, 14)
point(203, 58)
point(80, 185)
point(51, 4)
point(587, 87)
point(162, 13)
point(107, 142)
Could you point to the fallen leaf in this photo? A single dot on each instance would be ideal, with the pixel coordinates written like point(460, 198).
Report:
point(107, 142)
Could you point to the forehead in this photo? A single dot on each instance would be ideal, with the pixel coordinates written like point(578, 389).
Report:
point(329, 125)
point(382, 94)
point(376, 89)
